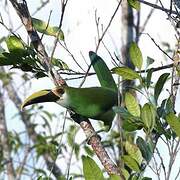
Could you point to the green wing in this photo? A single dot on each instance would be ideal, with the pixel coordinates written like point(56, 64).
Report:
point(91, 102)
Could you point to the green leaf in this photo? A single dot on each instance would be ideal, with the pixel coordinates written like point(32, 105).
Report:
point(149, 61)
point(102, 71)
point(144, 148)
point(91, 170)
point(88, 150)
point(40, 74)
point(134, 4)
point(146, 178)
point(132, 104)
point(126, 73)
point(59, 63)
point(10, 58)
point(76, 150)
point(129, 125)
point(159, 85)
point(70, 135)
point(136, 55)
point(15, 46)
point(134, 152)
point(115, 177)
point(130, 122)
point(148, 115)
point(44, 28)
point(169, 106)
point(148, 78)
point(174, 123)
point(125, 173)
point(131, 163)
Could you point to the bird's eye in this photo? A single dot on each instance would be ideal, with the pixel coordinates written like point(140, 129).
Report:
point(58, 92)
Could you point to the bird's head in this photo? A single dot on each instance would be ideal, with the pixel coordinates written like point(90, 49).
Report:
point(47, 95)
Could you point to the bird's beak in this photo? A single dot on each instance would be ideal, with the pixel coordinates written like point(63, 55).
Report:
point(40, 97)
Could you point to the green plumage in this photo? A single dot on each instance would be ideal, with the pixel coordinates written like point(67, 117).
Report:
point(94, 102)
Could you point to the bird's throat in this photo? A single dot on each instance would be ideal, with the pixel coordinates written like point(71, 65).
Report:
point(64, 100)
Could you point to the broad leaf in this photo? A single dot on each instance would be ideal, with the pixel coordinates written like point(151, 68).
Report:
point(148, 115)
point(136, 55)
point(130, 123)
point(134, 4)
point(125, 173)
point(91, 170)
point(159, 85)
point(131, 163)
point(45, 28)
point(144, 148)
point(174, 123)
point(14, 44)
point(126, 73)
point(134, 152)
point(102, 71)
point(9, 59)
point(132, 104)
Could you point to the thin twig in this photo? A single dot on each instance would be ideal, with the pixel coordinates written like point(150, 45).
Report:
point(107, 27)
point(158, 7)
point(158, 46)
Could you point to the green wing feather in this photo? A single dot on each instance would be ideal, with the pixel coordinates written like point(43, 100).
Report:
point(91, 102)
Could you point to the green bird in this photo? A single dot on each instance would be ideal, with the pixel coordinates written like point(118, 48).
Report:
point(94, 102)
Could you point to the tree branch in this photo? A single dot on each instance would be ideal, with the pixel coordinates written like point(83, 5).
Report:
point(158, 7)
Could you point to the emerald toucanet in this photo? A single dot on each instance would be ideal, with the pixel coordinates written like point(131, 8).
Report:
point(94, 102)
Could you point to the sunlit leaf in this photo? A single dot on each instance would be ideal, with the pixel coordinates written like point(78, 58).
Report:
point(159, 85)
point(45, 28)
point(136, 55)
point(134, 4)
point(148, 115)
point(125, 173)
point(174, 123)
point(131, 163)
point(132, 104)
point(91, 170)
point(126, 73)
point(134, 152)
point(15, 46)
